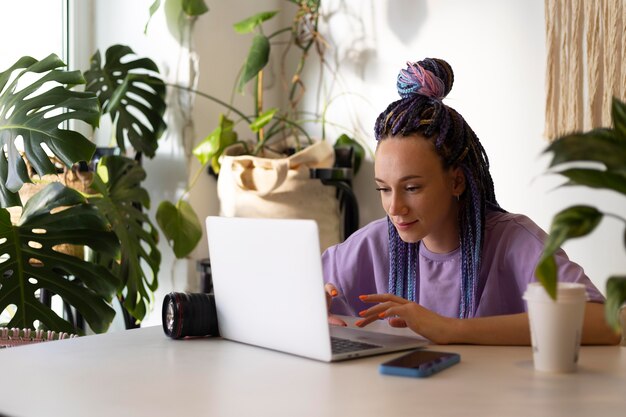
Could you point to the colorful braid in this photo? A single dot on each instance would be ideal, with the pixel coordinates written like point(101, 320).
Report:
point(422, 87)
point(402, 265)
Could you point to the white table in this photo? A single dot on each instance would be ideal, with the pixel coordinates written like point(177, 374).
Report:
point(143, 373)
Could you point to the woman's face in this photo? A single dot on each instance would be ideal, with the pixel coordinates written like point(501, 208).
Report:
point(419, 196)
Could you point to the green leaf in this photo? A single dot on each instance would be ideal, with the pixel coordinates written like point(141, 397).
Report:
point(249, 24)
point(263, 120)
point(546, 273)
point(34, 112)
point(193, 8)
point(214, 144)
point(258, 56)
point(575, 221)
point(122, 202)
point(153, 9)
point(180, 225)
point(618, 112)
point(31, 260)
point(593, 178)
point(359, 151)
point(132, 94)
point(598, 145)
point(615, 299)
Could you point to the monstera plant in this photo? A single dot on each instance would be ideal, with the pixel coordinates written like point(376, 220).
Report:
point(594, 159)
point(37, 100)
point(55, 216)
point(133, 96)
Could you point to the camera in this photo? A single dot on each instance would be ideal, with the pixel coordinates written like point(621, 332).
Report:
point(189, 314)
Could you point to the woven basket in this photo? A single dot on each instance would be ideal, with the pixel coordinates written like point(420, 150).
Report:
point(80, 181)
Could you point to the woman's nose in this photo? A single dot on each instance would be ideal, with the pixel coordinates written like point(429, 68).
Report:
point(396, 205)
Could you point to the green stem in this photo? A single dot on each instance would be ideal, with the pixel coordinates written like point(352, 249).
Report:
point(290, 123)
point(259, 105)
point(194, 180)
point(278, 32)
point(615, 216)
point(210, 97)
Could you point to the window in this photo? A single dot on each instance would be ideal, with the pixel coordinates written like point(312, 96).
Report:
point(35, 28)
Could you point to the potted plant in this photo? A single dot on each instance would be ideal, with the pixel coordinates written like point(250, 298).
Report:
point(271, 133)
point(606, 149)
point(267, 124)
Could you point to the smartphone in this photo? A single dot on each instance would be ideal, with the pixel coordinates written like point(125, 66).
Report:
point(419, 363)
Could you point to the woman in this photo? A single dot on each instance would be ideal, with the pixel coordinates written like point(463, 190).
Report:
point(447, 261)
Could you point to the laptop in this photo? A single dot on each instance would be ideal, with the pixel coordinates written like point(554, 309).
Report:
point(269, 291)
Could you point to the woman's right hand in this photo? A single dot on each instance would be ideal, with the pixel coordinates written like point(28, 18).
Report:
point(331, 292)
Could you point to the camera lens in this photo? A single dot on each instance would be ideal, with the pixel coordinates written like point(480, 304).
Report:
point(189, 314)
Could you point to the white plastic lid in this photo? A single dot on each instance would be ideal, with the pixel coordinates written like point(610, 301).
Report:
point(566, 292)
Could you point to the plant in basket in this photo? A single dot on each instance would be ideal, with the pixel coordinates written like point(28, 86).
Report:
point(264, 167)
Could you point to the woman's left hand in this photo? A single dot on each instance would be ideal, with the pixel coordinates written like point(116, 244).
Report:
point(404, 313)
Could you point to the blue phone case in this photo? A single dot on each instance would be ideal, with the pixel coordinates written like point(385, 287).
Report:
point(418, 364)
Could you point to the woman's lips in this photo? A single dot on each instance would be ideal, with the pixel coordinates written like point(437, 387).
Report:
point(405, 225)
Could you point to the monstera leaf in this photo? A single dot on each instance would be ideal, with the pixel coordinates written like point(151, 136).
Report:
point(132, 95)
point(29, 261)
point(35, 116)
point(121, 198)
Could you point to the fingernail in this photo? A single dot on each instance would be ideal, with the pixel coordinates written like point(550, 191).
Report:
point(382, 315)
point(333, 293)
point(362, 297)
point(359, 323)
point(362, 313)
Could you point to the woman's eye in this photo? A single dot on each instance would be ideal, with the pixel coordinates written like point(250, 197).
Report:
point(382, 189)
point(412, 188)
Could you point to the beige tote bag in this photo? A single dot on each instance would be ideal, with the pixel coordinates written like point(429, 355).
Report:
point(281, 187)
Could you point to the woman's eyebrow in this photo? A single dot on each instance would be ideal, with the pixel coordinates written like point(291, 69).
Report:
point(405, 178)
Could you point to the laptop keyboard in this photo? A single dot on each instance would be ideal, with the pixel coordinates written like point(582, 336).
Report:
point(339, 345)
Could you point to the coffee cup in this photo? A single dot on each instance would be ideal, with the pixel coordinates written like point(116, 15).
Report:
point(556, 325)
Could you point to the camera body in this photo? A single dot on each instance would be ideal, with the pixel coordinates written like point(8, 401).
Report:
point(189, 315)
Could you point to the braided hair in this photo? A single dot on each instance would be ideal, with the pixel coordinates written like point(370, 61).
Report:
point(420, 110)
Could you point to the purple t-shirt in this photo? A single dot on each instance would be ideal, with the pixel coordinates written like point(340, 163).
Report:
point(512, 246)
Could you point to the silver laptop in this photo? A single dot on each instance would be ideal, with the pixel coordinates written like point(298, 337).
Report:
point(269, 291)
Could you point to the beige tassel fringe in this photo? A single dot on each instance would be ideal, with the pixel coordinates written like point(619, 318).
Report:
point(601, 58)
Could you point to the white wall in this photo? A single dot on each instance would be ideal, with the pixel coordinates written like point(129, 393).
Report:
point(496, 48)
point(497, 51)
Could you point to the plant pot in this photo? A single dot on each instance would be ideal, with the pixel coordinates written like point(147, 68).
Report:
point(556, 325)
point(281, 187)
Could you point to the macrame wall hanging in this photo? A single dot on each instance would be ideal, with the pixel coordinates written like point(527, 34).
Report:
point(586, 55)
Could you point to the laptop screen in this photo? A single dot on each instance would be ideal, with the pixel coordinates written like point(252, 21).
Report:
point(269, 289)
